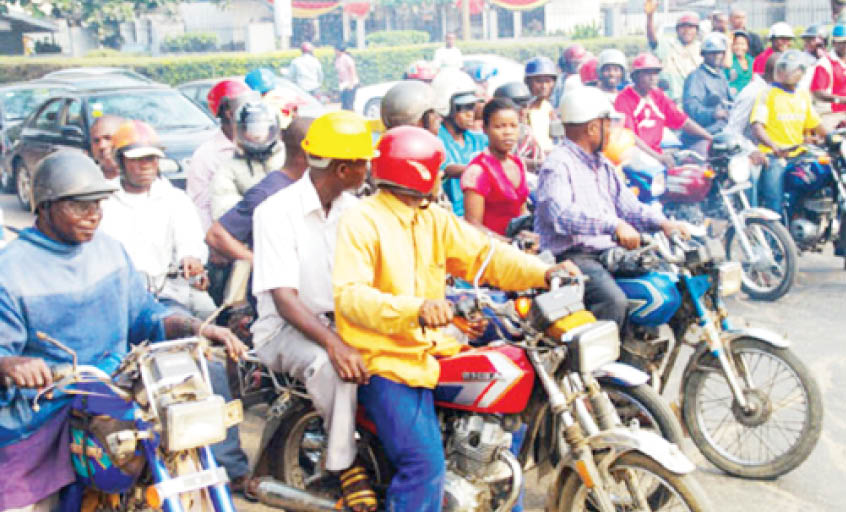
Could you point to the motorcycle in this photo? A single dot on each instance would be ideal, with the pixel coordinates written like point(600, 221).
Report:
point(484, 396)
point(140, 437)
point(750, 405)
point(814, 209)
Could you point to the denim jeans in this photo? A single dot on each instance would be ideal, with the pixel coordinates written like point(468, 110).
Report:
point(408, 429)
point(772, 185)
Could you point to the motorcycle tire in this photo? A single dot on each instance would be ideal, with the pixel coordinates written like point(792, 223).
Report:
point(652, 412)
point(779, 233)
point(752, 353)
point(683, 490)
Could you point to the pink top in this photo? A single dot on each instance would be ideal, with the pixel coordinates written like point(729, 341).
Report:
point(345, 67)
point(503, 201)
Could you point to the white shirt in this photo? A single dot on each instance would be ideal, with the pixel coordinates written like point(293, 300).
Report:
point(307, 72)
point(738, 121)
point(448, 58)
point(294, 247)
point(156, 228)
point(205, 162)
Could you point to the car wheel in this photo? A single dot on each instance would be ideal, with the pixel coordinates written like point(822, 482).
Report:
point(373, 108)
point(23, 185)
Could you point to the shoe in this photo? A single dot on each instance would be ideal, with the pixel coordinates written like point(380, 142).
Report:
point(243, 486)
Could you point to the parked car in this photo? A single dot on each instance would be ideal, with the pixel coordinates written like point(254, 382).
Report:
point(197, 90)
point(65, 119)
point(94, 72)
point(368, 99)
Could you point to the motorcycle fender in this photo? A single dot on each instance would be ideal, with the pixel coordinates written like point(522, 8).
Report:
point(759, 213)
point(765, 335)
point(622, 374)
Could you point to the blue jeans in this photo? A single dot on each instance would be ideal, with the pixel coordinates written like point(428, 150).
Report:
point(408, 429)
point(227, 453)
point(772, 185)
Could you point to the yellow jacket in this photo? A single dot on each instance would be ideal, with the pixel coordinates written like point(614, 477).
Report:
point(390, 258)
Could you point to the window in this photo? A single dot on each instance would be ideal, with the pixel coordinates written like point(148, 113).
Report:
point(74, 114)
point(165, 110)
point(48, 118)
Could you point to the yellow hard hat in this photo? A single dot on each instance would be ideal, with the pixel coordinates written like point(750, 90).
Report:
point(341, 135)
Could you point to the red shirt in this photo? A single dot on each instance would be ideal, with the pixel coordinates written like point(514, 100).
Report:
point(830, 76)
point(503, 201)
point(648, 116)
point(760, 63)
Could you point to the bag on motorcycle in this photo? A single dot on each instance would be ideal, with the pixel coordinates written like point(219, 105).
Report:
point(94, 463)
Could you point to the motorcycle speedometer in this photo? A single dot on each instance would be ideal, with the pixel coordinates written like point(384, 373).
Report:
point(739, 168)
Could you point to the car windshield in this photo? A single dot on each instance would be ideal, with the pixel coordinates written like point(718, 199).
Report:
point(163, 109)
point(19, 103)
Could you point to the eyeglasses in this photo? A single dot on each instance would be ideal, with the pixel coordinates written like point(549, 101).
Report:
point(82, 208)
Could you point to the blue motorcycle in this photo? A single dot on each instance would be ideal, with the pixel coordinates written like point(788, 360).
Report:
point(140, 438)
point(750, 405)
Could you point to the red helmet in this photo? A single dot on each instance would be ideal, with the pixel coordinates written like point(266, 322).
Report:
point(587, 71)
point(575, 53)
point(409, 158)
point(225, 89)
point(688, 18)
point(645, 62)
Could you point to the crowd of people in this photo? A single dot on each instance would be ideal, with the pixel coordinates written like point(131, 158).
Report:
point(348, 291)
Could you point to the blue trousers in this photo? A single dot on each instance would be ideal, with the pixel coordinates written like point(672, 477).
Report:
point(227, 453)
point(408, 429)
point(772, 185)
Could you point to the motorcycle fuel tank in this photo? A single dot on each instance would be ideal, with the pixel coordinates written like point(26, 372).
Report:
point(687, 184)
point(653, 298)
point(492, 379)
point(806, 177)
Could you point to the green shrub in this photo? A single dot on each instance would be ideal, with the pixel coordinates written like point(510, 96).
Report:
point(396, 38)
point(193, 42)
point(587, 31)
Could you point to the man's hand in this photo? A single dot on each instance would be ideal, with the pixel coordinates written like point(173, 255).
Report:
point(347, 362)
point(435, 313)
point(565, 266)
point(781, 152)
point(192, 267)
point(26, 372)
point(236, 349)
point(650, 6)
point(666, 160)
point(758, 158)
point(671, 228)
point(627, 236)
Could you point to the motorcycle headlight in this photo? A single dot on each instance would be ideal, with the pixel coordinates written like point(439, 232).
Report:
point(659, 184)
point(192, 424)
point(731, 278)
point(739, 169)
point(593, 346)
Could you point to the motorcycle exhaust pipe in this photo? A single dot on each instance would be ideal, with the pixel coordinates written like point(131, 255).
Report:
point(276, 494)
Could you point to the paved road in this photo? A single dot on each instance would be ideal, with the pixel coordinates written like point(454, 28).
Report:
point(813, 316)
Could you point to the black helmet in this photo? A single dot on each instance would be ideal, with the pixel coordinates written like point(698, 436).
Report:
point(726, 145)
point(406, 102)
point(517, 92)
point(69, 174)
point(256, 128)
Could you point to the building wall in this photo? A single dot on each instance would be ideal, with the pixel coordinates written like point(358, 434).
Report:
point(564, 15)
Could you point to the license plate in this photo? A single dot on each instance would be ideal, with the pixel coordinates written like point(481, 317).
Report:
point(192, 482)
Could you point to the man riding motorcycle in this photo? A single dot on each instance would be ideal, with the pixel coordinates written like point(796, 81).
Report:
point(102, 150)
point(413, 103)
point(64, 278)
point(829, 82)
point(394, 251)
point(781, 36)
point(611, 68)
point(707, 95)
point(295, 233)
point(540, 76)
point(583, 203)
point(680, 54)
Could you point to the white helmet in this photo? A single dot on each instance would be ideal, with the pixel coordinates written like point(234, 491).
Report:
point(611, 56)
point(451, 84)
point(585, 104)
point(780, 29)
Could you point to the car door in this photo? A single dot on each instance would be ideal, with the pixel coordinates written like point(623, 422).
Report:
point(42, 132)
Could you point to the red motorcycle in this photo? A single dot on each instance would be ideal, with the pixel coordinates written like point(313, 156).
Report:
point(483, 398)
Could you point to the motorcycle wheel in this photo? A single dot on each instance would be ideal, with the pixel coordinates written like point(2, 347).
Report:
point(778, 435)
point(644, 404)
point(772, 283)
point(664, 490)
point(298, 450)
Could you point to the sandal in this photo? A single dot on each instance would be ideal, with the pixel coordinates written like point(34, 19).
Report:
point(355, 486)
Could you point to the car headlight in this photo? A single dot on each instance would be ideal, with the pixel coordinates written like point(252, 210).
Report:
point(739, 169)
point(659, 184)
point(192, 424)
point(593, 346)
point(731, 278)
point(168, 165)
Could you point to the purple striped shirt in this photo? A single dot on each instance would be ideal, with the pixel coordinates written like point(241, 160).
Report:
point(581, 199)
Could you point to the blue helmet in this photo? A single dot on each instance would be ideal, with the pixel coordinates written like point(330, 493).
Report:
point(261, 80)
point(540, 66)
point(838, 33)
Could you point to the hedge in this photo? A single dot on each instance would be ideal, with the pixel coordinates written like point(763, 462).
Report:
point(396, 38)
point(374, 64)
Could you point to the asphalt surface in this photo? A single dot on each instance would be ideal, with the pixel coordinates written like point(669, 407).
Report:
point(813, 317)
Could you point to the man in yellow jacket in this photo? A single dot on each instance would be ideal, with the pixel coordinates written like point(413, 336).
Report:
point(393, 252)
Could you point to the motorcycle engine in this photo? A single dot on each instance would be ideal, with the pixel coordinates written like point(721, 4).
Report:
point(476, 477)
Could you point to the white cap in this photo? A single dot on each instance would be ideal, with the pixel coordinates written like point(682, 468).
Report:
point(585, 104)
point(781, 29)
point(141, 152)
